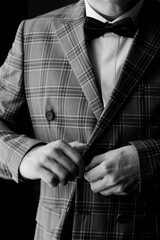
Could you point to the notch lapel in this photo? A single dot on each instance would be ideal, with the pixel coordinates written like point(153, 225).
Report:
point(144, 48)
point(71, 36)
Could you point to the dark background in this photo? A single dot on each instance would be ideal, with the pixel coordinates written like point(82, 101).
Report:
point(18, 202)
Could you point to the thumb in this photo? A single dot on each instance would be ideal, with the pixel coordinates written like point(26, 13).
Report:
point(78, 146)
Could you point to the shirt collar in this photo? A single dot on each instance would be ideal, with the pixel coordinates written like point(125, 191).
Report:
point(133, 12)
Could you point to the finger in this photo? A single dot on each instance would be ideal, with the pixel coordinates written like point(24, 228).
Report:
point(119, 191)
point(72, 154)
point(78, 146)
point(96, 173)
point(58, 170)
point(95, 162)
point(103, 184)
point(66, 163)
point(48, 177)
point(93, 175)
point(115, 190)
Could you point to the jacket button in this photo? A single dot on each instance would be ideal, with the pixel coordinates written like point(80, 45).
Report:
point(123, 218)
point(50, 115)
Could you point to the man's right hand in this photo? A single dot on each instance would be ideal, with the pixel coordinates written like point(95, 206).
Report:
point(56, 162)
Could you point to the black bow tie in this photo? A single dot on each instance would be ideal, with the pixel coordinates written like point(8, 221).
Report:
point(94, 28)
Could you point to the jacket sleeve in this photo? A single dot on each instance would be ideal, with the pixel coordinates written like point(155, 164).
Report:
point(14, 142)
point(149, 159)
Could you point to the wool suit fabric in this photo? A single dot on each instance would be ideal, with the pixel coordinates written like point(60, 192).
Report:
point(48, 76)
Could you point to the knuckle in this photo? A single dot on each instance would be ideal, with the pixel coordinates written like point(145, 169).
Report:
point(50, 180)
point(119, 189)
point(86, 176)
point(79, 159)
point(41, 160)
point(64, 177)
point(73, 169)
point(109, 180)
point(93, 188)
point(53, 181)
point(60, 143)
point(94, 159)
point(104, 167)
point(57, 153)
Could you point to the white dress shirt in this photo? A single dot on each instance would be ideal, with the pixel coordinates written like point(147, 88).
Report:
point(108, 52)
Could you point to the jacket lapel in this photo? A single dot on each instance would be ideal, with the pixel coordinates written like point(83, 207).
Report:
point(146, 44)
point(71, 35)
point(144, 48)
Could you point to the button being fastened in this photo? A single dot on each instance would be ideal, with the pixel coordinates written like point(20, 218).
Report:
point(50, 115)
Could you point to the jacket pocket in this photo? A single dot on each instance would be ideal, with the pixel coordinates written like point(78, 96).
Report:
point(48, 218)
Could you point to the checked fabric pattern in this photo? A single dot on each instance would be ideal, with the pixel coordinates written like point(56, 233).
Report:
point(48, 71)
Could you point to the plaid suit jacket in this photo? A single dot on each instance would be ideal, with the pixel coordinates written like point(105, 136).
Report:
point(48, 76)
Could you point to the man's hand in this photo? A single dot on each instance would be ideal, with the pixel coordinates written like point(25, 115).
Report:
point(57, 162)
point(114, 172)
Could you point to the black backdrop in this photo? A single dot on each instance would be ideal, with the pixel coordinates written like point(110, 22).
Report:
point(18, 204)
point(48, 6)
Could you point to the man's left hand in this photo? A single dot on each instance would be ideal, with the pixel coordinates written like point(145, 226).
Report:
point(114, 172)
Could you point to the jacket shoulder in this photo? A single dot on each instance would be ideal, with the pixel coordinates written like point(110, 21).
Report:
point(63, 14)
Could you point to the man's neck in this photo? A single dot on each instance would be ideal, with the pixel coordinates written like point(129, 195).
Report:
point(111, 9)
